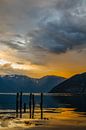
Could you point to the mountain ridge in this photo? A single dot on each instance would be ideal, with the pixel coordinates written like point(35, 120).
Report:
point(16, 83)
point(75, 84)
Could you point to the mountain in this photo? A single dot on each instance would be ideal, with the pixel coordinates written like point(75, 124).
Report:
point(75, 84)
point(17, 83)
point(48, 82)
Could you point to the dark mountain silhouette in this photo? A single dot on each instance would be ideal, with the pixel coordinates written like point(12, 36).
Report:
point(48, 82)
point(75, 84)
point(17, 83)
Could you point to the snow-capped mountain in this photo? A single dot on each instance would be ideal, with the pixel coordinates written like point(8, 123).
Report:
point(17, 83)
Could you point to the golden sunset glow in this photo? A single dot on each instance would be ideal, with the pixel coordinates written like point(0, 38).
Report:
point(37, 38)
point(55, 66)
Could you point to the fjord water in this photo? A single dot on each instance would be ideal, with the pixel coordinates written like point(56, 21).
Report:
point(53, 103)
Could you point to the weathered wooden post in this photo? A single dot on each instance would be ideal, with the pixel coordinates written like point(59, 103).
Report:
point(41, 105)
point(21, 105)
point(30, 110)
point(33, 107)
point(24, 107)
point(17, 104)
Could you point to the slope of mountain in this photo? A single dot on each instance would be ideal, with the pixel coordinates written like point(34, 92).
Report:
point(48, 82)
point(75, 84)
point(17, 83)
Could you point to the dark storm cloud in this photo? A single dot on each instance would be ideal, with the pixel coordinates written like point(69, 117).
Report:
point(62, 28)
point(66, 4)
point(51, 26)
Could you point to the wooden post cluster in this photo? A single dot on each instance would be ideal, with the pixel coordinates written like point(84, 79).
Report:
point(31, 105)
point(19, 103)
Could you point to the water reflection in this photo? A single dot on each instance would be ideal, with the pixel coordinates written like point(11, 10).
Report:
point(59, 104)
point(77, 101)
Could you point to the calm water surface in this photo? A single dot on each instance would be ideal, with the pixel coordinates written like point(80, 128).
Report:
point(52, 103)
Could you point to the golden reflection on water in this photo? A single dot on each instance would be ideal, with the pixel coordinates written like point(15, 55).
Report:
point(59, 113)
point(63, 113)
point(53, 116)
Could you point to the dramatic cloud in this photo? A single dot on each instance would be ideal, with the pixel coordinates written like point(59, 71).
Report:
point(62, 28)
point(42, 31)
point(59, 28)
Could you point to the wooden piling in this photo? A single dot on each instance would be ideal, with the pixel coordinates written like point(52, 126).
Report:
point(21, 105)
point(30, 109)
point(24, 107)
point(17, 104)
point(41, 105)
point(33, 106)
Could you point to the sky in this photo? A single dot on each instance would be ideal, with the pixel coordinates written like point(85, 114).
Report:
point(42, 37)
